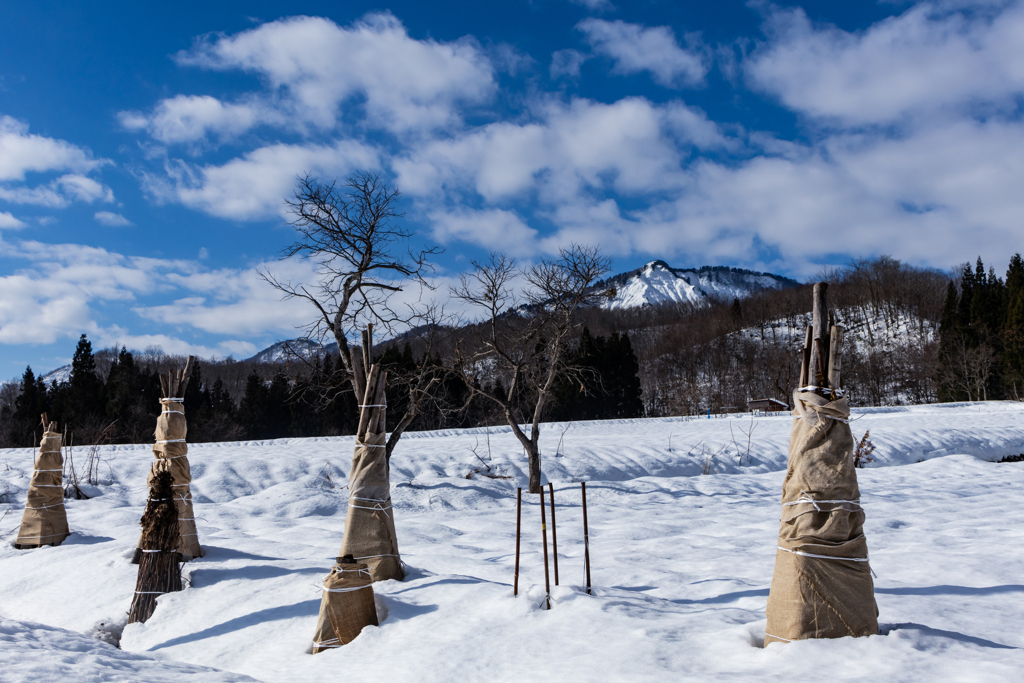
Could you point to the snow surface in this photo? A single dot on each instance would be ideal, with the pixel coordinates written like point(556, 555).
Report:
point(681, 563)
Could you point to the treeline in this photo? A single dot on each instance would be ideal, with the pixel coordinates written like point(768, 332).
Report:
point(914, 335)
point(113, 396)
point(981, 353)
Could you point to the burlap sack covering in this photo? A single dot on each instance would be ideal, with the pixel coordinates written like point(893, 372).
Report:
point(171, 447)
point(45, 521)
point(813, 595)
point(370, 524)
point(346, 607)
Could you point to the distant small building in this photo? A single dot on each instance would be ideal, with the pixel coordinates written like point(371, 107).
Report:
point(766, 405)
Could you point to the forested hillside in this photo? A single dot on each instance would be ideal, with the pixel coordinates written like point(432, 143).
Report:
point(913, 336)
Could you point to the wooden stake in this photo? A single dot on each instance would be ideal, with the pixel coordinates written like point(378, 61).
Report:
point(586, 534)
point(367, 362)
point(186, 374)
point(358, 375)
point(805, 364)
point(519, 517)
point(819, 355)
point(544, 535)
point(376, 425)
point(835, 358)
point(364, 413)
point(554, 532)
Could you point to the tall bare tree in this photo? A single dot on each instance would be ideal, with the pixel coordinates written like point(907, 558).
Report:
point(520, 346)
point(351, 232)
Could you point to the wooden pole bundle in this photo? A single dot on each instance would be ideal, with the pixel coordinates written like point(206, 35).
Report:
point(159, 571)
point(822, 354)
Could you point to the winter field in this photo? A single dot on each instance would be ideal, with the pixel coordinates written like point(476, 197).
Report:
point(682, 562)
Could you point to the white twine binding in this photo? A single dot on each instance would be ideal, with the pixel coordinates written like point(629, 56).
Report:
point(823, 557)
point(806, 499)
point(346, 590)
point(785, 640)
point(327, 643)
point(172, 441)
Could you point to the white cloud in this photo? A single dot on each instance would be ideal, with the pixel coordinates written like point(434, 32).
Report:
point(256, 185)
point(567, 63)
point(112, 219)
point(117, 337)
point(57, 294)
point(631, 146)
point(7, 220)
point(22, 152)
point(635, 48)
point(924, 62)
point(190, 118)
point(236, 302)
point(493, 229)
point(317, 72)
point(60, 192)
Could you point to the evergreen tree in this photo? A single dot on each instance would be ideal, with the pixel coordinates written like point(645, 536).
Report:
point(252, 409)
point(84, 405)
point(27, 408)
point(278, 415)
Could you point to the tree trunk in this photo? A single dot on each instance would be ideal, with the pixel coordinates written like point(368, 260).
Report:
point(533, 451)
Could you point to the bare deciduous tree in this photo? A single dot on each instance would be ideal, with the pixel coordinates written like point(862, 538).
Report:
point(350, 231)
point(519, 350)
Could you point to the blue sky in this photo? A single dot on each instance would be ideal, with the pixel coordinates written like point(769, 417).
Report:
point(145, 150)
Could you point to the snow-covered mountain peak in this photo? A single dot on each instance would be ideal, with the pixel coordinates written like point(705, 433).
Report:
point(658, 283)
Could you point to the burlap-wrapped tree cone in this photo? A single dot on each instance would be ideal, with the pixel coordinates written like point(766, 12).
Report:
point(822, 586)
point(45, 522)
point(159, 571)
point(347, 605)
point(370, 535)
point(171, 446)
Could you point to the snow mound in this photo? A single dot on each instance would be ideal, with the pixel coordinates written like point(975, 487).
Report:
point(31, 652)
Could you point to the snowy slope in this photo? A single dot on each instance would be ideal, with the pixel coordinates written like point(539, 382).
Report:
point(60, 375)
point(682, 563)
point(659, 283)
point(284, 351)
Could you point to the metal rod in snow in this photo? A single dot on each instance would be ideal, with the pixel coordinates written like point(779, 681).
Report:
point(544, 537)
point(586, 534)
point(554, 531)
point(519, 517)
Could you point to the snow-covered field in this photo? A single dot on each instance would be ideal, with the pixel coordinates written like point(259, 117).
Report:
point(681, 562)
